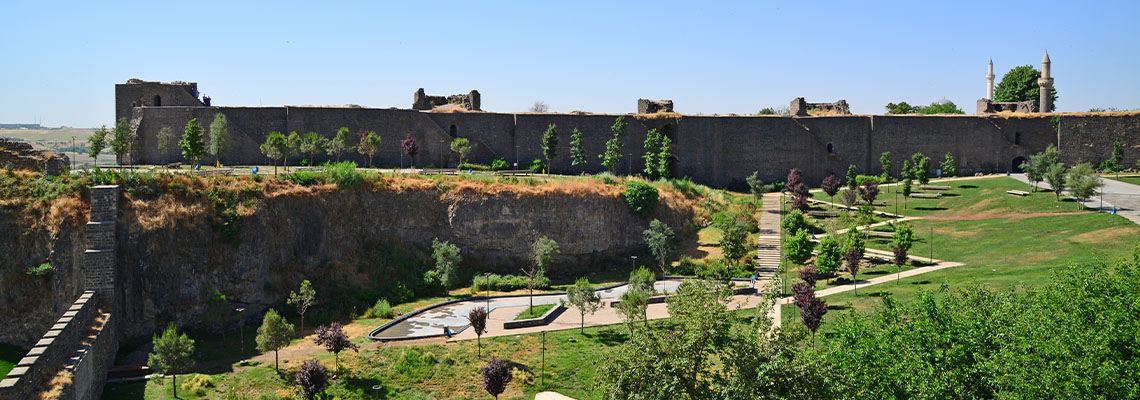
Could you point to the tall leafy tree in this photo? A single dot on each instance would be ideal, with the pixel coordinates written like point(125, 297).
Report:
point(219, 136)
point(166, 138)
point(303, 298)
point(852, 177)
point(1083, 182)
point(313, 143)
point(447, 259)
point(273, 334)
point(173, 354)
point(583, 297)
point(901, 108)
point(333, 339)
point(122, 140)
point(652, 148)
point(921, 168)
point(478, 320)
point(341, 143)
point(96, 143)
point(659, 238)
point(577, 149)
point(829, 257)
point(1057, 178)
point(633, 305)
point(665, 157)
point(755, 185)
point(1115, 162)
point(369, 145)
point(1020, 84)
point(885, 162)
point(948, 166)
point(798, 247)
point(276, 147)
point(947, 107)
point(733, 243)
point(496, 376)
point(613, 154)
point(294, 144)
point(543, 251)
point(550, 143)
point(192, 146)
point(217, 311)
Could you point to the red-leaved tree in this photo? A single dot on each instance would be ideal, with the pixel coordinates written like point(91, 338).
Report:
point(333, 338)
point(478, 320)
point(869, 191)
point(798, 189)
point(831, 186)
point(852, 257)
point(410, 148)
point(811, 312)
point(311, 377)
point(496, 376)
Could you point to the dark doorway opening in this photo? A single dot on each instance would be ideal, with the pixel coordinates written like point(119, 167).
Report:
point(453, 131)
point(830, 149)
point(157, 101)
point(1016, 167)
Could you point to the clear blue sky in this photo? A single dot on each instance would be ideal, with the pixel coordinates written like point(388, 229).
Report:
point(62, 60)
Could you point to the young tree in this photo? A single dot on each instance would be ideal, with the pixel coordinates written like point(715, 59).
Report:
point(921, 168)
point(664, 157)
point(410, 148)
point(577, 149)
point(798, 247)
point(659, 238)
point(369, 146)
point(829, 257)
point(478, 320)
point(755, 185)
point(219, 136)
point(543, 252)
point(303, 298)
point(217, 310)
point(583, 297)
point(496, 376)
point(633, 304)
point(869, 191)
point(613, 153)
point(794, 222)
point(173, 354)
point(276, 147)
point(192, 146)
point(831, 186)
point(96, 143)
point(798, 189)
point(733, 243)
point(901, 108)
point(852, 177)
point(907, 189)
point(652, 147)
point(447, 259)
point(852, 260)
point(340, 143)
point(312, 144)
point(333, 339)
point(1055, 176)
point(948, 166)
point(273, 334)
point(550, 143)
point(854, 248)
point(1114, 163)
point(885, 162)
point(1083, 182)
point(311, 377)
point(902, 240)
point(462, 147)
point(811, 313)
point(293, 145)
point(166, 138)
point(850, 197)
point(642, 279)
point(122, 140)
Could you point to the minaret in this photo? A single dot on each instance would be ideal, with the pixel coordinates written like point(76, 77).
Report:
point(1046, 85)
point(990, 82)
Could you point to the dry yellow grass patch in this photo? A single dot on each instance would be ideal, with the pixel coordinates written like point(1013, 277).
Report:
point(1107, 235)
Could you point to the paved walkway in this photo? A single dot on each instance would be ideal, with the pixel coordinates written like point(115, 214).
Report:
point(1124, 197)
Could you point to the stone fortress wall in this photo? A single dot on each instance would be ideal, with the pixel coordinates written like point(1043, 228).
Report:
point(716, 150)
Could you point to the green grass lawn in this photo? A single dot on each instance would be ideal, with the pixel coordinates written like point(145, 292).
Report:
point(9, 356)
point(998, 253)
point(984, 196)
point(534, 312)
point(1135, 180)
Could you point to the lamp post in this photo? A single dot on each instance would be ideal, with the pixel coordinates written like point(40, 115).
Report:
point(633, 263)
point(542, 380)
point(783, 271)
point(241, 330)
point(487, 282)
point(932, 243)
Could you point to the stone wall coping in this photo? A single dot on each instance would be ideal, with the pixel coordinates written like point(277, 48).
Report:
point(112, 222)
point(35, 351)
point(105, 187)
point(8, 383)
point(99, 251)
point(53, 333)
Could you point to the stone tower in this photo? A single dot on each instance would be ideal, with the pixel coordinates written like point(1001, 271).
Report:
point(1046, 85)
point(990, 82)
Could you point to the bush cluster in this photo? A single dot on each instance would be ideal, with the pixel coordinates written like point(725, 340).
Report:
point(860, 180)
point(507, 283)
point(641, 198)
point(381, 310)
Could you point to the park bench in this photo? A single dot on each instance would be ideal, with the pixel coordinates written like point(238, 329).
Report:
point(934, 187)
point(1021, 193)
point(877, 202)
point(514, 172)
point(823, 213)
point(879, 233)
point(440, 171)
point(926, 195)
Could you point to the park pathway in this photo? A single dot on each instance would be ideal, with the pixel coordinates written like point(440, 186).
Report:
point(1115, 195)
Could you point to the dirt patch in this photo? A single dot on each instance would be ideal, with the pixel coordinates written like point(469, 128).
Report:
point(1105, 235)
point(999, 216)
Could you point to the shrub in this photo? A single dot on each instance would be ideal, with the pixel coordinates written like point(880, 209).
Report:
point(473, 167)
point(860, 180)
point(507, 283)
point(40, 270)
point(499, 164)
point(303, 178)
point(381, 310)
point(197, 384)
point(343, 174)
point(641, 198)
point(537, 166)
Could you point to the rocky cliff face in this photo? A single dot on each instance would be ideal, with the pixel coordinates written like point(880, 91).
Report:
point(172, 253)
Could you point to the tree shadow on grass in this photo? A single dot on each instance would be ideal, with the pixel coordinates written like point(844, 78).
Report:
point(968, 187)
point(365, 386)
point(924, 282)
point(608, 337)
point(837, 307)
point(930, 208)
point(950, 195)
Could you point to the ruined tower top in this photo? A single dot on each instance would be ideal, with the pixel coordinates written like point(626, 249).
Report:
point(1046, 85)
